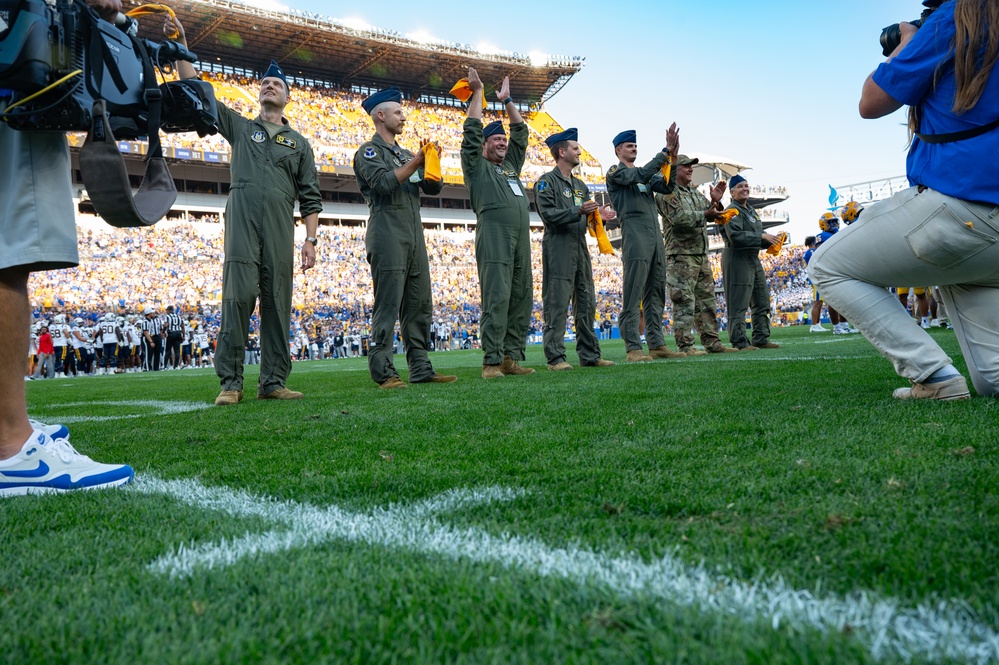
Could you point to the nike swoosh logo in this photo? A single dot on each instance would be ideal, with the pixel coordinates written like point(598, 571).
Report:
point(41, 470)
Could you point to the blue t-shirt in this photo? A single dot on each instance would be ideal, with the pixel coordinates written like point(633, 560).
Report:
point(823, 236)
point(965, 169)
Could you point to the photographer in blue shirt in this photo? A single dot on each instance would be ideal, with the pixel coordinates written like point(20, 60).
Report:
point(944, 228)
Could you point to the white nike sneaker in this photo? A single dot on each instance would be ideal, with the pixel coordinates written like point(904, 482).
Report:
point(818, 327)
point(56, 431)
point(46, 465)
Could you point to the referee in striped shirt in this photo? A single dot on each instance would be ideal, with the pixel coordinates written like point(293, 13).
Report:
point(174, 326)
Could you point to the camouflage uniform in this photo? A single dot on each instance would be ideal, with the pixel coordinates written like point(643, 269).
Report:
point(689, 282)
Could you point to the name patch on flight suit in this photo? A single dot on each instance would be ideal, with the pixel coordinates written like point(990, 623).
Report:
point(281, 139)
point(258, 136)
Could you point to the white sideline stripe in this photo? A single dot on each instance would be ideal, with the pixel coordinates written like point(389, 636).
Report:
point(946, 630)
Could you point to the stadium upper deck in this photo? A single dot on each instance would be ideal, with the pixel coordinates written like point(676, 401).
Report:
point(313, 48)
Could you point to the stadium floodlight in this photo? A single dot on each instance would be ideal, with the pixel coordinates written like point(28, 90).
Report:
point(422, 37)
point(355, 23)
point(487, 48)
point(538, 59)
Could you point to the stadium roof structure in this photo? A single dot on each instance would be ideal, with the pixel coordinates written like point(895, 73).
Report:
point(310, 46)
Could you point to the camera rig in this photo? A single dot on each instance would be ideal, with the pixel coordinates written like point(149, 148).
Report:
point(62, 68)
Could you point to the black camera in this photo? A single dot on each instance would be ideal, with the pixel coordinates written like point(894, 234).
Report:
point(891, 36)
point(57, 59)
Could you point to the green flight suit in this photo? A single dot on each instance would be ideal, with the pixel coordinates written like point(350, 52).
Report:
point(632, 191)
point(502, 242)
point(744, 278)
point(268, 173)
point(397, 254)
point(567, 272)
point(688, 271)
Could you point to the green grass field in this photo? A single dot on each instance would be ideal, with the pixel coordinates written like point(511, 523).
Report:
point(768, 507)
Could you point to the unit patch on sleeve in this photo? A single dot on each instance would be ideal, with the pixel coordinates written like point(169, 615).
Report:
point(369, 152)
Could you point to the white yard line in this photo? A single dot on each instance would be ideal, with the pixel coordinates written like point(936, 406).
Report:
point(945, 630)
point(151, 407)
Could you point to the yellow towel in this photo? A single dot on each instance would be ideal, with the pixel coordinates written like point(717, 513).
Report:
point(431, 162)
point(665, 171)
point(727, 217)
point(463, 91)
point(774, 249)
point(147, 10)
point(596, 226)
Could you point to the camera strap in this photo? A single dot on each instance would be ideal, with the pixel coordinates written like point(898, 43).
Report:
point(958, 136)
point(106, 178)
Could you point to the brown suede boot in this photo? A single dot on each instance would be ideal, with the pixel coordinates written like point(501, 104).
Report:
point(662, 352)
point(510, 367)
point(637, 356)
point(492, 372)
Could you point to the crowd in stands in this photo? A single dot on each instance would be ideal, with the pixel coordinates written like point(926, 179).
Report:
point(180, 264)
point(332, 119)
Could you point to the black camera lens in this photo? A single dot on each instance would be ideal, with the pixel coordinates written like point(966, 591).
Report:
point(891, 36)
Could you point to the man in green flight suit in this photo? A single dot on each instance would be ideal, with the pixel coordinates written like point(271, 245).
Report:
point(390, 178)
point(491, 167)
point(271, 166)
point(564, 203)
point(686, 214)
point(631, 190)
point(742, 272)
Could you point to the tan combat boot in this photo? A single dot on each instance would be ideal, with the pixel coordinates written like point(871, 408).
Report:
point(560, 366)
point(492, 372)
point(637, 356)
point(227, 397)
point(510, 367)
point(662, 352)
point(392, 383)
point(280, 393)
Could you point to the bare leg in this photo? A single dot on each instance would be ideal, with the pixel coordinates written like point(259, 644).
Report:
point(14, 337)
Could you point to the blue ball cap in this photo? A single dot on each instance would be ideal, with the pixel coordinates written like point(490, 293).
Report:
point(736, 179)
point(493, 128)
point(387, 95)
point(627, 136)
point(275, 71)
point(570, 134)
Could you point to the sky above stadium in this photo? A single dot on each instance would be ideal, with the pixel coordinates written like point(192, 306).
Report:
point(773, 83)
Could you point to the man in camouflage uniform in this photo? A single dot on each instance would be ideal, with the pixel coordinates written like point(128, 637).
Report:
point(564, 203)
point(632, 190)
point(686, 214)
point(491, 167)
point(271, 166)
point(390, 178)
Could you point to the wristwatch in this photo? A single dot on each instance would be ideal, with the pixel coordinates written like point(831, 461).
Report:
point(314, 241)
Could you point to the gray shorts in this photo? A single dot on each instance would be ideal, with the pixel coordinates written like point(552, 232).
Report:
point(38, 228)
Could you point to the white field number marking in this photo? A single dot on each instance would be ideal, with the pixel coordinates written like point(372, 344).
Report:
point(149, 407)
point(944, 630)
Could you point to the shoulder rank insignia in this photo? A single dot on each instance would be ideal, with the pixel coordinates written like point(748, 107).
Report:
point(257, 136)
point(369, 152)
point(541, 186)
point(281, 139)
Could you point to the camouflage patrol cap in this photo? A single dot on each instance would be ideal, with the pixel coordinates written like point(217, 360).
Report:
point(683, 160)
